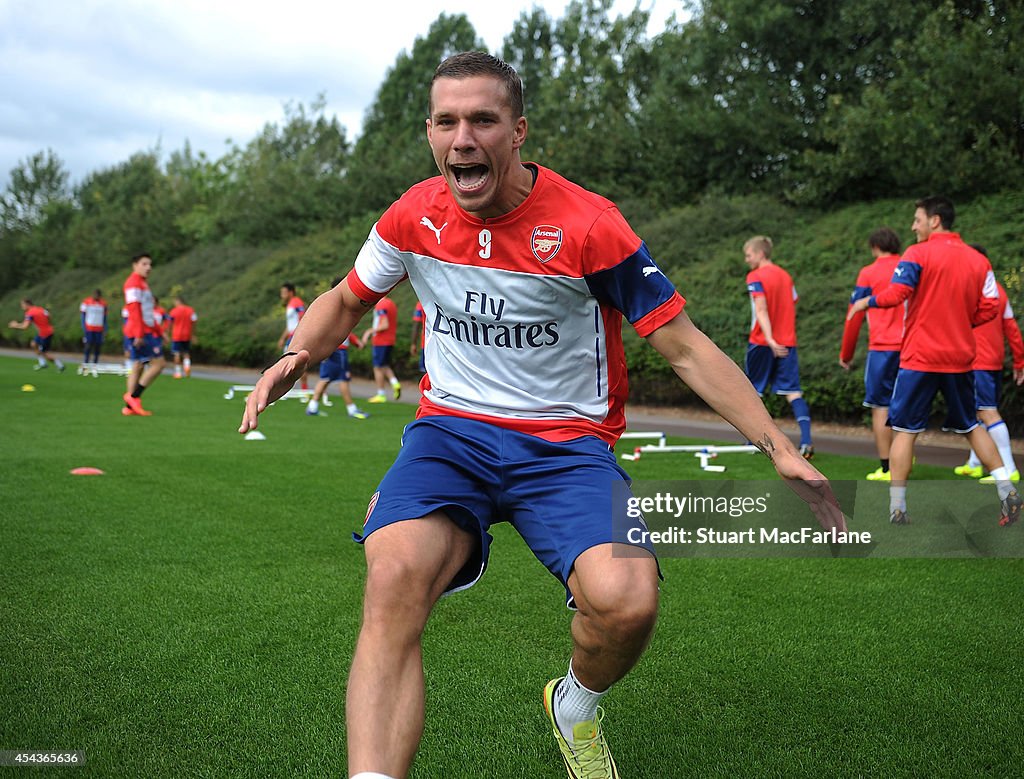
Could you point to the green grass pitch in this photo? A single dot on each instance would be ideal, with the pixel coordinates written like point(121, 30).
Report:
point(192, 612)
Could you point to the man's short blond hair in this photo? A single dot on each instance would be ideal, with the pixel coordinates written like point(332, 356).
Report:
point(760, 243)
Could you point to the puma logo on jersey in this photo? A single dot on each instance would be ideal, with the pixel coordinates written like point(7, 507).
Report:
point(436, 230)
point(649, 269)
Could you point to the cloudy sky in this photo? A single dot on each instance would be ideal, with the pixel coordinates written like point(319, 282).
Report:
point(97, 80)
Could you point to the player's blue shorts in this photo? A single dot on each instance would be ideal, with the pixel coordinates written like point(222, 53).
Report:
point(764, 369)
point(558, 496)
point(913, 395)
point(988, 386)
point(43, 344)
point(879, 377)
point(181, 347)
point(382, 356)
point(93, 338)
point(335, 367)
point(152, 347)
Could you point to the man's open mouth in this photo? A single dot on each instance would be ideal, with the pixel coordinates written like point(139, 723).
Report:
point(470, 177)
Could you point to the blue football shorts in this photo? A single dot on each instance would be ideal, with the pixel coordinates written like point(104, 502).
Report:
point(765, 370)
point(335, 367)
point(879, 378)
point(913, 395)
point(43, 344)
point(181, 347)
point(558, 496)
point(93, 338)
point(152, 347)
point(382, 356)
point(988, 386)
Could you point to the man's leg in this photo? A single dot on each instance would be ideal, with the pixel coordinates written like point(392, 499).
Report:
point(313, 407)
point(396, 386)
point(134, 373)
point(996, 428)
point(901, 459)
point(153, 371)
point(802, 414)
point(617, 604)
point(883, 433)
point(350, 404)
point(408, 566)
point(379, 379)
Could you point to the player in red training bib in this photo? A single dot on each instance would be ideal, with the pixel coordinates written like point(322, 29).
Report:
point(772, 351)
point(991, 339)
point(143, 335)
point(94, 326)
point(885, 334)
point(381, 336)
point(182, 320)
point(526, 280)
point(294, 309)
point(40, 318)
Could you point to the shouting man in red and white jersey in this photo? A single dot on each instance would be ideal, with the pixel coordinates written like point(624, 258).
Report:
point(525, 279)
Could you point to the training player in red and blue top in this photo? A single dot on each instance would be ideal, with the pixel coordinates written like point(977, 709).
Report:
point(525, 279)
point(94, 326)
point(145, 338)
point(183, 319)
point(381, 335)
point(991, 339)
point(40, 318)
point(949, 289)
point(335, 368)
point(294, 309)
point(885, 334)
point(772, 353)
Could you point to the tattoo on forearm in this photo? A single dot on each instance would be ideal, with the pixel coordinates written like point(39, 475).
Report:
point(767, 445)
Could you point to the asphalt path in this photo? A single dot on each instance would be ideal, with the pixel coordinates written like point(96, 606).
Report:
point(932, 448)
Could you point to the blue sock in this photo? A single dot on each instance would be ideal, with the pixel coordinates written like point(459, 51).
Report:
point(803, 418)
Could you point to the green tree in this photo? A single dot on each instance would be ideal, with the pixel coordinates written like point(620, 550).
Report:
point(950, 122)
point(582, 104)
point(286, 182)
point(34, 212)
point(392, 152)
point(124, 210)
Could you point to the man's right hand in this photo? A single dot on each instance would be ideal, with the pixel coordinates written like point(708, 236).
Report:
point(272, 385)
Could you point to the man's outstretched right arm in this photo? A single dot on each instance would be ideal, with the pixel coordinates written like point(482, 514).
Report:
point(326, 323)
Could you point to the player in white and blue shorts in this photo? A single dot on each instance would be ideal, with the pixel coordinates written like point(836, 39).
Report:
point(335, 368)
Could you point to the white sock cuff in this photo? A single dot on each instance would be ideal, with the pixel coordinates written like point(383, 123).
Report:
point(995, 425)
point(571, 677)
point(371, 775)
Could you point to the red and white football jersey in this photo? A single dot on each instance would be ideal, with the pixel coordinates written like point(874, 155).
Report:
point(951, 289)
point(885, 325)
point(775, 285)
point(991, 338)
point(524, 311)
point(138, 300)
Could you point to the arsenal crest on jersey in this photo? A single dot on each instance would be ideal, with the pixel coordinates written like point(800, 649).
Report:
point(546, 241)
